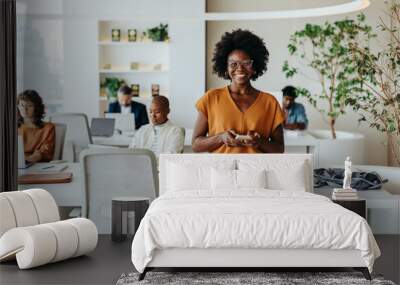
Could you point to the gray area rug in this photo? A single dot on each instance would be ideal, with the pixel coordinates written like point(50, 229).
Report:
point(273, 278)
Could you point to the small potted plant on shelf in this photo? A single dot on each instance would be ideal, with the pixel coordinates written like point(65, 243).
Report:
point(325, 50)
point(157, 34)
point(378, 99)
point(112, 84)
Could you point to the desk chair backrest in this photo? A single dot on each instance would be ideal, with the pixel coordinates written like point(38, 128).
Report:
point(77, 136)
point(109, 173)
point(61, 129)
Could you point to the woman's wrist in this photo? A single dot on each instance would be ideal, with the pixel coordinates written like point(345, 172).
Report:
point(35, 157)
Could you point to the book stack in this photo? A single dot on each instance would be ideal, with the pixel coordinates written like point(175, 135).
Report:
point(344, 194)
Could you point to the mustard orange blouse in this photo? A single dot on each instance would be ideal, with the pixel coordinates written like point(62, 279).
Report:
point(263, 116)
point(42, 140)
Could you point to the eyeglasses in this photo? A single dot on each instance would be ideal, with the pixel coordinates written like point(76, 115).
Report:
point(235, 64)
point(25, 105)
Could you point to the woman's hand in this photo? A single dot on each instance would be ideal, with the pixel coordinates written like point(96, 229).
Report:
point(34, 157)
point(228, 138)
point(255, 141)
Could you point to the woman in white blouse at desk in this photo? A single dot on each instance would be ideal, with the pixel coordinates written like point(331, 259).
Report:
point(160, 136)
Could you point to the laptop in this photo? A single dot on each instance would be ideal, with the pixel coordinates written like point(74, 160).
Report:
point(22, 163)
point(125, 123)
point(102, 127)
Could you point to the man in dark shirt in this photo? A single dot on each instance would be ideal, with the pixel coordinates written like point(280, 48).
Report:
point(125, 105)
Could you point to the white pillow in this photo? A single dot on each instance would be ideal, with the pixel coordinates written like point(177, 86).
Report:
point(223, 179)
point(291, 175)
point(189, 176)
point(251, 178)
point(292, 179)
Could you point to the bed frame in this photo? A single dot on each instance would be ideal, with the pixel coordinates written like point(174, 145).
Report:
point(242, 258)
point(256, 258)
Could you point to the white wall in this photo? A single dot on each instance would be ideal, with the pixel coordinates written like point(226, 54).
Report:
point(58, 52)
point(276, 34)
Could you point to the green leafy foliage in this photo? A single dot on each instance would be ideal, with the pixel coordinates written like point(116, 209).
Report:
point(112, 84)
point(326, 50)
point(159, 33)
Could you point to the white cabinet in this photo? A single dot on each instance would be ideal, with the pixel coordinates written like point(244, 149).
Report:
point(383, 215)
point(143, 62)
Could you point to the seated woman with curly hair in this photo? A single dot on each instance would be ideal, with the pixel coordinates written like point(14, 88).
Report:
point(38, 136)
point(239, 118)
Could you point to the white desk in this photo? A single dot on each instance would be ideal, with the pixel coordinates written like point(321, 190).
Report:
point(293, 141)
point(66, 194)
point(305, 140)
point(115, 140)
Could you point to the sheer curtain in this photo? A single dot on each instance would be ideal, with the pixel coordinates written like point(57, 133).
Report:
point(8, 127)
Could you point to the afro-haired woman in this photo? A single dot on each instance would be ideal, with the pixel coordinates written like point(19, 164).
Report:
point(38, 136)
point(239, 108)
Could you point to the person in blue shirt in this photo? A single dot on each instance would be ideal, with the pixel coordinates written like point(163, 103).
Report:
point(125, 105)
point(295, 114)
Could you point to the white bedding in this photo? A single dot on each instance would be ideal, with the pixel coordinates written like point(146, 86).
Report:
point(251, 218)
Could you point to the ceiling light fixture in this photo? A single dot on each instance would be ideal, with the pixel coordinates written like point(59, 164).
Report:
point(351, 6)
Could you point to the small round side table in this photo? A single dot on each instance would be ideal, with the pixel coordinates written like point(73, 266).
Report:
point(139, 205)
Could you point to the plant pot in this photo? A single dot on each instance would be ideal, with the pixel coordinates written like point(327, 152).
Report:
point(334, 151)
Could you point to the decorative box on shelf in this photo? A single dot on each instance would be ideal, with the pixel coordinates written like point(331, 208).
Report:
point(155, 89)
point(134, 65)
point(135, 90)
point(115, 35)
point(132, 35)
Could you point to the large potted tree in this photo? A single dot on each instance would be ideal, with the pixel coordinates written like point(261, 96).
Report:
point(322, 52)
point(378, 101)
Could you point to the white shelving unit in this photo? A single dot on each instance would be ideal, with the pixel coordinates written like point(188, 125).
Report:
point(108, 71)
point(126, 43)
point(120, 55)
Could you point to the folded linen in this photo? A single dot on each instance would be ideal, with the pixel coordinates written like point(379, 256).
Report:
point(345, 194)
point(340, 190)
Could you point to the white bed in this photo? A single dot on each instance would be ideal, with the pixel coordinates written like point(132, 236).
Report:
point(221, 211)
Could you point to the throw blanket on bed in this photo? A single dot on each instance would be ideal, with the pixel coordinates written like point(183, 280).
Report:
point(253, 218)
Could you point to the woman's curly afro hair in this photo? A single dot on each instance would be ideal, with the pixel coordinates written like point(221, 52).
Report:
point(240, 40)
point(39, 112)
